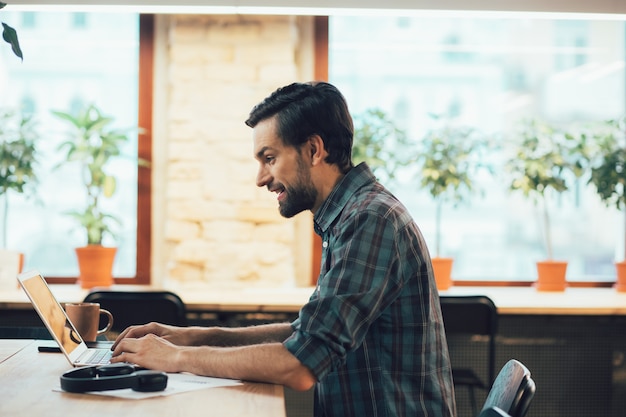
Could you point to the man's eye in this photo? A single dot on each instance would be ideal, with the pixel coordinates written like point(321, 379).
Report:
point(269, 159)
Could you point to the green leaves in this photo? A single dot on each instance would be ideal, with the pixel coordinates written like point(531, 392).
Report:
point(448, 158)
point(17, 152)
point(608, 162)
point(92, 143)
point(10, 36)
point(544, 158)
point(379, 143)
point(17, 159)
point(95, 223)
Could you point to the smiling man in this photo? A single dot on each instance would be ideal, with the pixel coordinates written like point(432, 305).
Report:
point(371, 338)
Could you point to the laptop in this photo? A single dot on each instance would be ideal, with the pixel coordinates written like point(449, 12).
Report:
point(58, 323)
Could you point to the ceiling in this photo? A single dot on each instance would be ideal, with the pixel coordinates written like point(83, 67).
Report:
point(329, 7)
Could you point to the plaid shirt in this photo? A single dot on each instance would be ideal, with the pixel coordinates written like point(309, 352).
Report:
point(372, 331)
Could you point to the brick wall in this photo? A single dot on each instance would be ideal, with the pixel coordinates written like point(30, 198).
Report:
point(211, 225)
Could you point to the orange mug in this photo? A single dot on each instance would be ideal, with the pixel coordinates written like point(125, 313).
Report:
point(86, 319)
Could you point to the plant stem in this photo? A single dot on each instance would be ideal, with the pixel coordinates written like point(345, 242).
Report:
point(624, 258)
point(438, 227)
point(546, 224)
point(5, 217)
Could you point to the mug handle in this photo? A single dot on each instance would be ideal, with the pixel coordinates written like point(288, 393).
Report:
point(110, 323)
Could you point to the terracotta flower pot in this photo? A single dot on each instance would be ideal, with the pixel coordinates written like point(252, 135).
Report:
point(95, 264)
point(620, 284)
point(442, 268)
point(551, 276)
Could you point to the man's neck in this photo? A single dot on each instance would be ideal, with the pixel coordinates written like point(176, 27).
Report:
point(325, 179)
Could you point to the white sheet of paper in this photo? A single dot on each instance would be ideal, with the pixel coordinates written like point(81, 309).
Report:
point(176, 383)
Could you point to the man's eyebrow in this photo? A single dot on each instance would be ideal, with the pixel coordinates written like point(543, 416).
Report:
point(260, 153)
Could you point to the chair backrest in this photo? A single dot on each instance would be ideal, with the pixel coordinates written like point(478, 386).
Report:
point(513, 389)
point(527, 393)
point(475, 315)
point(493, 412)
point(140, 307)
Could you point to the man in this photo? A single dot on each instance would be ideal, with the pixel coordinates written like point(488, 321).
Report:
point(371, 337)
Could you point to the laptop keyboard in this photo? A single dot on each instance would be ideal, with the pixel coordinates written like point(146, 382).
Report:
point(98, 357)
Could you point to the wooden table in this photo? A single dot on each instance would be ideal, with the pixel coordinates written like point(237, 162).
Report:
point(10, 347)
point(27, 378)
point(545, 330)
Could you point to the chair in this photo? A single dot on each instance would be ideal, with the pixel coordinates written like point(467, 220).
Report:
point(140, 307)
point(10, 332)
point(493, 412)
point(468, 316)
point(513, 389)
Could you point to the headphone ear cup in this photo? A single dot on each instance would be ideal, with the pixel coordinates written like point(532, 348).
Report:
point(115, 369)
point(150, 381)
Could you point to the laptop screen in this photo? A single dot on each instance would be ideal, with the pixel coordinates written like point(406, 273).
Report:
point(51, 312)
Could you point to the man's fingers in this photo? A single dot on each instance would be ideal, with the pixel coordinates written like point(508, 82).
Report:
point(129, 332)
point(119, 339)
point(126, 345)
point(120, 358)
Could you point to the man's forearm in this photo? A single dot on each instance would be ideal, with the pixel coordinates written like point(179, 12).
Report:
point(242, 336)
point(269, 362)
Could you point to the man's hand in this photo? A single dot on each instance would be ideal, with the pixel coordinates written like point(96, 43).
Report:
point(149, 351)
point(173, 334)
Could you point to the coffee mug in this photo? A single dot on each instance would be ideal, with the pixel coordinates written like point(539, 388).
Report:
point(86, 318)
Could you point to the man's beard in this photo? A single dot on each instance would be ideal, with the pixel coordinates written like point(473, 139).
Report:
point(301, 196)
point(298, 199)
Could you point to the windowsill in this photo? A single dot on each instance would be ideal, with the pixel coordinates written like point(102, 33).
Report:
point(572, 301)
point(509, 300)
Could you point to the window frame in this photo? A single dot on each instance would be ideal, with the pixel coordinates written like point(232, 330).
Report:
point(144, 151)
point(321, 73)
point(144, 179)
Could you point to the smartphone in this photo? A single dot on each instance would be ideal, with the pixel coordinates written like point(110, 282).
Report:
point(52, 347)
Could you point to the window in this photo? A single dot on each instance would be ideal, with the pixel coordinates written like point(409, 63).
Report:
point(71, 59)
point(489, 74)
point(79, 20)
point(28, 20)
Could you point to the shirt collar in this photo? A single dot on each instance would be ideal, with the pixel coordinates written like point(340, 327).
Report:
point(356, 178)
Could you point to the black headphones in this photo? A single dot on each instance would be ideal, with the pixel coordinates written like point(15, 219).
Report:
point(114, 376)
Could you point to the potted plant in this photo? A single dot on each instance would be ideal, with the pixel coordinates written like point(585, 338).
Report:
point(17, 164)
point(10, 36)
point(543, 161)
point(447, 159)
point(91, 143)
point(608, 174)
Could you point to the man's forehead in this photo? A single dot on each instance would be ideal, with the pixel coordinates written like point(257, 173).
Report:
point(265, 137)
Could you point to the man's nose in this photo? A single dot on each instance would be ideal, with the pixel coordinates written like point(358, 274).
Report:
point(263, 177)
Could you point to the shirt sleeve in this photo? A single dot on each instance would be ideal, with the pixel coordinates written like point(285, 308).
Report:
point(362, 278)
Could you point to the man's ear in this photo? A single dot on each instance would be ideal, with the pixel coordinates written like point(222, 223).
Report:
point(315, 147)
